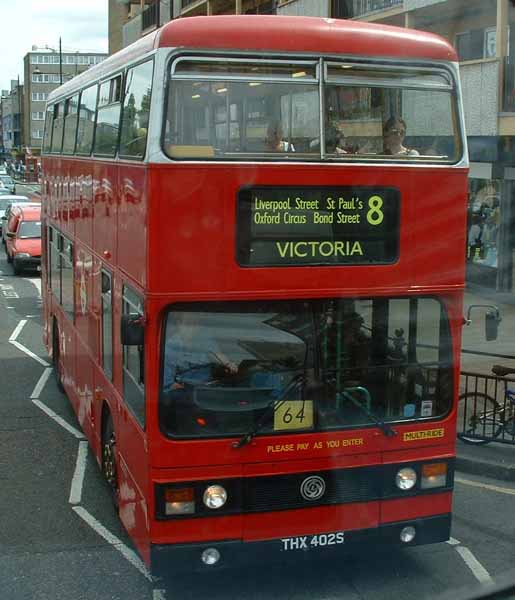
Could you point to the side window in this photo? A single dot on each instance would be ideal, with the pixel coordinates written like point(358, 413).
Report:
point(133, 360)
point(136, 110)
point(70, 124)
point(67, 276)
point(55, 263)
point(107, 324)
point(86, 123)
point(47, 139)
point(58, 127)
point(108, 118)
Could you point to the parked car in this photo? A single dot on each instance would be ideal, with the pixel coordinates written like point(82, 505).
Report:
point(8, 182)
point(23, 238)
point(8, 201)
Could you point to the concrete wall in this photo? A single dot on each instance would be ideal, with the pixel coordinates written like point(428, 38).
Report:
point(132, 31)
point(481, 109)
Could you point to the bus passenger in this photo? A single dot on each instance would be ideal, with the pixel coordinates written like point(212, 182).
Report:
point(394, 132)
point(274, 139)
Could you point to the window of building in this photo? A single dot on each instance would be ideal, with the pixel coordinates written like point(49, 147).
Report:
point(134, 359)
point(37, 134)
point(136, 110)
point(86, 124)
point(38, 115)
point(39, 96)
point(108, 117)
point(107, 323)
point(476, 44)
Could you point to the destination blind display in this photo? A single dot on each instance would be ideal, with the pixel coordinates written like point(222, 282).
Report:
point(318, 226)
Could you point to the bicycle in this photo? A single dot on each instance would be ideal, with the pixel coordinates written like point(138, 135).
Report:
point(489, 418)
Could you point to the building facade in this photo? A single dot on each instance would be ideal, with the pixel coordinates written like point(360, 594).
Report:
point(44, 71)
point(12, 102)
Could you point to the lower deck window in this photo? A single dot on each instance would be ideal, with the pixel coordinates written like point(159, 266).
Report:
point(303, 365)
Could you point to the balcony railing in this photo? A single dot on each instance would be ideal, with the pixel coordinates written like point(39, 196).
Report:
point(186, 3)
point(358, 8)
point(150, 16)
point(508, 104)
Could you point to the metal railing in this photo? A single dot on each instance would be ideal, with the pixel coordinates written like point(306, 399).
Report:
point(486, 408)
point(150, 16)
point(363, 7)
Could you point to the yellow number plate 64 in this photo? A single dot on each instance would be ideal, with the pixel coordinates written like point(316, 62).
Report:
point(294, 414)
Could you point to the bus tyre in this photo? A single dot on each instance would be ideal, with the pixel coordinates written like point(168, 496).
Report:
point(109, 458)
point(56, 359)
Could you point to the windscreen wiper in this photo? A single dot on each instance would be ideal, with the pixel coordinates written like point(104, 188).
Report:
point(387, 429)
point(275, 404)
point(250, 435)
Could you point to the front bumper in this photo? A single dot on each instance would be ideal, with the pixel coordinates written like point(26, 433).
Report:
point(167, 559)
point(27, 262)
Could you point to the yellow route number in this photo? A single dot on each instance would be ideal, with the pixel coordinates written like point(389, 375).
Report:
point(294, 414)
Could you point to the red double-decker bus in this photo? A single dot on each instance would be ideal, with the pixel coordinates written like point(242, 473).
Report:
point(253, 282)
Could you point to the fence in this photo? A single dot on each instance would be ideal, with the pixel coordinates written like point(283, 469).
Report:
point(486, 408)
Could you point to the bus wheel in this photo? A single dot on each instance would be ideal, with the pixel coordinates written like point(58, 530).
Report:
point(56, 355)
point(109, 468)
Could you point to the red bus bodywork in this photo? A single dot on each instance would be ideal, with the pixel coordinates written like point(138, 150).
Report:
point(168, 228)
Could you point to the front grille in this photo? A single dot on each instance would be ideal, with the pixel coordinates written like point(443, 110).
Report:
point(283, 492)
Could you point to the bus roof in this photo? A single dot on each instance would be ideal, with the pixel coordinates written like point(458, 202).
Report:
point(277, 33)
point(303, 34)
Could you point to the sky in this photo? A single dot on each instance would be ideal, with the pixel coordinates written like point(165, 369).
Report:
point(81, 24)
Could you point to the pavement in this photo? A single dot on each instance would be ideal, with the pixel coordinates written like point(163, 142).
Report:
point(494, 460)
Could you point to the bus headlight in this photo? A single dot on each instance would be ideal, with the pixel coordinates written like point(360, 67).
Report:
point(215, 496)
point(406, 478)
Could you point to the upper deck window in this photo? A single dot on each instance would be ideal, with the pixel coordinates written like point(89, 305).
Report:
point(58, 128)
point(108, 117)
point(86, 124)
point(272, 110)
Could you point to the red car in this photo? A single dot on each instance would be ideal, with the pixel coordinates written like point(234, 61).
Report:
point(23, 238)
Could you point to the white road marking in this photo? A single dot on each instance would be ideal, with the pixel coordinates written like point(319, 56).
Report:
point(29, 353)
point(36, 392)
point(116, 543)
point(479, 572)
point(17, 330)
point(78, 475)
point(453, 542)
point(12, 340)
point(58, 419)
point(37, 282)
point(486, 486)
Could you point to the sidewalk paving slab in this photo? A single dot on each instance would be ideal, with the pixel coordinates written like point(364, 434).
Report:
point(493, 460)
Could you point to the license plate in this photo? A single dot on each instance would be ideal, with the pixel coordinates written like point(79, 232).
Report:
point(312, 542)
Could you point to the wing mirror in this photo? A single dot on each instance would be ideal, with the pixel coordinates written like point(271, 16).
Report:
point(492, 320)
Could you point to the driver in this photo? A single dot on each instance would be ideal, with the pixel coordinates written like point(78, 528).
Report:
point(192, 353)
